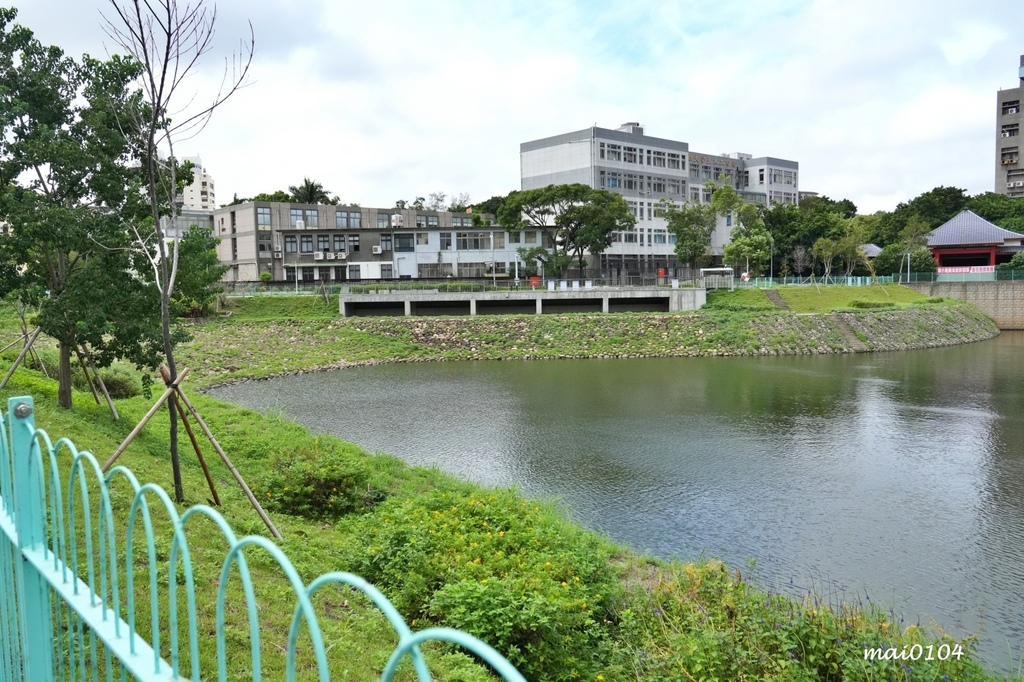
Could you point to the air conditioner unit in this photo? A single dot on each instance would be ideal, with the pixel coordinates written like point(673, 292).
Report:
point(377, 250)
point(300, 224)
point(318, 255)
point(1020, 183)
point(1006, 133)
point(277, 254)
point(1009, 185)
point(1012, 110)
point(329, 255)
point(1006, 162)
point(342, 255)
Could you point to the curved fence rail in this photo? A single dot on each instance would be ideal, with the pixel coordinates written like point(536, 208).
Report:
point(97, 579)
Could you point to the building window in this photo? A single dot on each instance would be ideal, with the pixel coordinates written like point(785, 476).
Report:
point(312, 217)
point(290, 243)
point(514, 237)
point(472, 241)
point(629, 182)
point(613, 181)
point(601, 148)
point(658, 185)
point(325, 274)
point(529, 237)
point(695, 195)
point(289, 274)
point(629, 154)
point(341, 219)
point(432, 221)
point(460, 221)
point(660, 237)
point(695, 172)
point(672, 187)
point(353, 272)
point(339, 273)
point(339, 242)
point(387, 271)
point(760, 176)
point(294, 216)
point(446, 241)
point(383, 221)
point(385, 242)
point(323, 242)
point(615, 152)
point(1011, 130)
point(306, 244)
point(422, 239)
point(404, 242)
point(499, 240)
point(263, 215)
point(421, 221)
point(655, 158)
point(263, 243)
point(674, 161)
point(1011, 107)
point(307, 273)
point(355, 220)
point(353, 243)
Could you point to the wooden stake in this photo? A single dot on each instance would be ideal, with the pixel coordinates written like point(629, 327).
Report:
point(85, 371)
point(13, 342)
point(234, 472)
point(165, 373)
point(138, 427)
point(99, 380)
point(21, 356)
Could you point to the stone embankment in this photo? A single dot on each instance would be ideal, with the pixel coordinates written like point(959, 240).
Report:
point(536, 337)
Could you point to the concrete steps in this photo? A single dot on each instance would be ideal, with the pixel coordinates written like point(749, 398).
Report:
point(774, 297)
point(846, 330)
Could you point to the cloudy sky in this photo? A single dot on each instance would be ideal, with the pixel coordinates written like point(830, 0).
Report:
point(878, 100)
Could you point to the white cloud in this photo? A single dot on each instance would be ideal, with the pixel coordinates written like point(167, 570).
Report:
point(878, 101)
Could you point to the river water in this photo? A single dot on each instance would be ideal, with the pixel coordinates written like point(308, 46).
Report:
point(894, 477)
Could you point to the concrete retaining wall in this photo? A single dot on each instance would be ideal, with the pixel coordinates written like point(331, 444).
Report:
point(1003, 301)
point(415, 302)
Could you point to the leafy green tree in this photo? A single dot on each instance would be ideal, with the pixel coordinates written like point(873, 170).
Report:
point(825, 250)
point(311, 192)
point(1015, 263)
point(199, 274)
point(692, 225)
point(459, 203)
point(491, 206)
point(1004, 211)
point(64, 186)
point(279, 196)
point(892, 260)
point(583, 218)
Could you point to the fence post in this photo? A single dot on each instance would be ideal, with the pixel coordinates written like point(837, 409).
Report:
point(34, 608)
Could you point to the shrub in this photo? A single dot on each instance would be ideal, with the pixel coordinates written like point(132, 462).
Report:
point(513, 572)
point(859, 303)
point(318, 480)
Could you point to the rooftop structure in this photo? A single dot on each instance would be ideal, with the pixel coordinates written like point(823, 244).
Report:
point(967, 239)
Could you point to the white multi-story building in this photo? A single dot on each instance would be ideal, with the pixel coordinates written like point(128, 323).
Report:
point(645, 170)
point(199, 195)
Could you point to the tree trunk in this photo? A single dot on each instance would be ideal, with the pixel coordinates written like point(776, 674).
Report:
point(64, 377)
point(165, 320)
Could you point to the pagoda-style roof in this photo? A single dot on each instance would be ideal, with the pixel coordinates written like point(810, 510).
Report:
point(871, 250)
point(967, 228)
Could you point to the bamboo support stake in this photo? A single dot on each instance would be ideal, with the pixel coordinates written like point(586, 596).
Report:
point(103, 386)
point(192, 437)
point(13, 342)
point(145, 420)
point(85, 371)
point(21, 356)
point(234, 472)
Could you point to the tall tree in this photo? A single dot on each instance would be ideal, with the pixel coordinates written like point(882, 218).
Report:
point(311, 192)
point(692, 225)
point(170, 40)
point(64, 182)
point(583, 218)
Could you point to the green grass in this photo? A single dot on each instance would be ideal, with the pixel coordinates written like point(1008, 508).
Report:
point(825, 299)
point(738, 299)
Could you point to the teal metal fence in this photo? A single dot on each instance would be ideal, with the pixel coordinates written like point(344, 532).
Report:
point(73, 609)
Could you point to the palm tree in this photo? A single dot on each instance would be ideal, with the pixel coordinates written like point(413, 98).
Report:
point(311, 192)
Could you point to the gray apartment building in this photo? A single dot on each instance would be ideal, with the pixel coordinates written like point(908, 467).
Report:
point(322, 243)
point(645, 170)
point(1009, 119)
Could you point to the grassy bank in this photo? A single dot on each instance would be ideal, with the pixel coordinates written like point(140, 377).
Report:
point(561, 602)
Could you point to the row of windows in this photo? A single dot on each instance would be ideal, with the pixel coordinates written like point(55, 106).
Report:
point(401, 242)
point(640, 183)
point(653, 157)
point(346, 220)
point(652, 237)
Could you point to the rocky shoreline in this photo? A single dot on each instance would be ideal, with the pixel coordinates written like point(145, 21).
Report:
point(704, 334)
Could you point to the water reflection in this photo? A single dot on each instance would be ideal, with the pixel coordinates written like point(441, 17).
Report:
point(897, 475)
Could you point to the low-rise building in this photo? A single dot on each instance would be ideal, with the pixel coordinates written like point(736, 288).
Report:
point(351, 243)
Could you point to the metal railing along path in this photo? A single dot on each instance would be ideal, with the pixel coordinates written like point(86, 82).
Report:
point(71, 603)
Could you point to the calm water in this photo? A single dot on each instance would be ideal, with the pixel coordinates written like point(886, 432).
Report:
point(897, 477)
